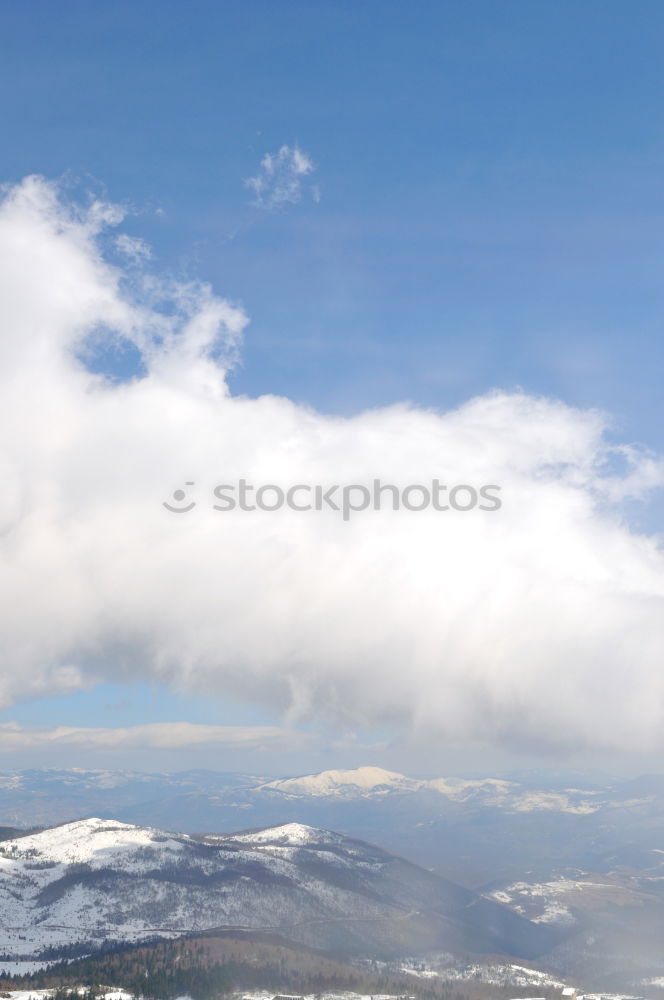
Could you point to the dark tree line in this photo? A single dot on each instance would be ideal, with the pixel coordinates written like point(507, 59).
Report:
point(209, 967)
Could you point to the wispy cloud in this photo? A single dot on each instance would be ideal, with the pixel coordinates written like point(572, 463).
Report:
point(134, 247)
point(280, 178)
point(154, 736)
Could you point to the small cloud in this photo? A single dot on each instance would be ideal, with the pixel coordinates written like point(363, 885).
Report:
point(155, 735)
point(279, 181)
point(133, 247)
point(351, 741)
point(118, 706)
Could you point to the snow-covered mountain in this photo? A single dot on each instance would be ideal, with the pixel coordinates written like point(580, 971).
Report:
point(360, 781)
point(363, 782)
point(95, 880)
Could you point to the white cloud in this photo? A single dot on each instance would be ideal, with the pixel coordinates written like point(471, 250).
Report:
point(279, 180)
point(134, 247)
point(151, 736)
point(543, 622)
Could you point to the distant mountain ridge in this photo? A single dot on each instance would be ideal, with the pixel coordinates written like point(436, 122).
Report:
point(360, 780)
point(472, 830)
point(34, 796)
point(371, 781)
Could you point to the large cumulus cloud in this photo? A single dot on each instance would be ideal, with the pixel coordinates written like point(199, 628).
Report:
point(541, 621)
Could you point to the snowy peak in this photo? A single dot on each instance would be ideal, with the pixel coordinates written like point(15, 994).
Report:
point(493, 790)
point(374, 782)
point(290, 835)
point(359, 781)
point(95, 842)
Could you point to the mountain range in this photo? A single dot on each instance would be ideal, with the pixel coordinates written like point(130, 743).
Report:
point(580, 861)
point(474, 831)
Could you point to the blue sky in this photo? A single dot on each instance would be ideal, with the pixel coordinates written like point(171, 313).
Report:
point(485, 211)
point(491, 195)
